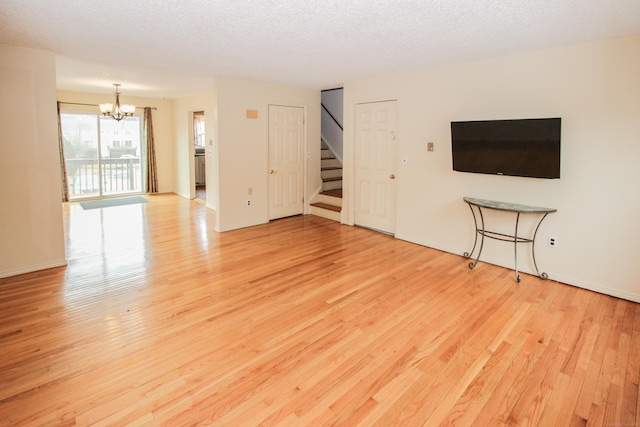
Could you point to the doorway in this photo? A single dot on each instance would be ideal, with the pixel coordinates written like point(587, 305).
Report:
point(375, 166)
point(199, 145)
point(103, 157)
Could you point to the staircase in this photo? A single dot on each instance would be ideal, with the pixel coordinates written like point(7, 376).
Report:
point(328, 203)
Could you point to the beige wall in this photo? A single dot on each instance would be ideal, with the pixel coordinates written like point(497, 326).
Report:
point(162, 128)
point(242, 147)
point(31, 228)
point(594, 87)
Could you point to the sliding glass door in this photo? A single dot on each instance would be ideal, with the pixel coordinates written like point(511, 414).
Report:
point(103, 157)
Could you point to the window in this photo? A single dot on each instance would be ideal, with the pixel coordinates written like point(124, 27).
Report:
point(98, 162)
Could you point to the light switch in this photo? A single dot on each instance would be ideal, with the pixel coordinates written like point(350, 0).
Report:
point(429, 146)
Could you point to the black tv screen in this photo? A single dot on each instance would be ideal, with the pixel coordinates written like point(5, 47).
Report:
point(525, 147)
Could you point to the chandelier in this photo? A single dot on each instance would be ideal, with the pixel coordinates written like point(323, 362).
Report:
point(117, 111)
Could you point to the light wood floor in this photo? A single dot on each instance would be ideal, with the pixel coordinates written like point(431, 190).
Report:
point(159, 320)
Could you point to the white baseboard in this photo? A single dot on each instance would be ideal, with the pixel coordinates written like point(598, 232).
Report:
point(571, 281)
point(32, 268)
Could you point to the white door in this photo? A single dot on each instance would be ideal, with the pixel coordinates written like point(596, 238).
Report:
point(286, 161)
point(375, 166)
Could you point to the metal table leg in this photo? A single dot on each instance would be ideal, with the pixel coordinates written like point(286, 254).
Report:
point(515, 239)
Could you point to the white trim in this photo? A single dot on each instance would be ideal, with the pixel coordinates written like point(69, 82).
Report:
point(33, 268)
point(566, 280)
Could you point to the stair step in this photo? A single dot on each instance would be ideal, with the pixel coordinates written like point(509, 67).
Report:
point(337, 178)
point(330, 172)
point(330, 168)
point(337, 192)
point(327, 206)
point(331, 185)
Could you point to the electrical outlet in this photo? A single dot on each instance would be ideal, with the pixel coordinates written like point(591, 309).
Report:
point(553, 242)
point(248, 202)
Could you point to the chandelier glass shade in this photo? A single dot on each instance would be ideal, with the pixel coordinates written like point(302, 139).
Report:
point(117, 111)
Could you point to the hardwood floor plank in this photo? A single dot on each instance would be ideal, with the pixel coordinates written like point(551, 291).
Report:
point(596, 358)
point(159, 320)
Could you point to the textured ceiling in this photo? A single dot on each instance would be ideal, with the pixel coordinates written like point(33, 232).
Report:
point(171, 47)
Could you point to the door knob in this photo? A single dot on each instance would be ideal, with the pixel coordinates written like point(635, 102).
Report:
point(273, 171)
point(392, 176)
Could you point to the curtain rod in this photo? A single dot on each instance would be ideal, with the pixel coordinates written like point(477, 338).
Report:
point(96, 105)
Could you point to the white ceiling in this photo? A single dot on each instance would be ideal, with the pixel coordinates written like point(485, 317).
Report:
point(166, 48)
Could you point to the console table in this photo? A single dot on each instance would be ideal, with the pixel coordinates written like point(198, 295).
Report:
point(480, 204)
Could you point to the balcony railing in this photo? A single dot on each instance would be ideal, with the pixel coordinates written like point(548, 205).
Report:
point(120, 175)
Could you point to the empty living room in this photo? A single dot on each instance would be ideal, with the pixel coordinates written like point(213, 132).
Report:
point(398, 213)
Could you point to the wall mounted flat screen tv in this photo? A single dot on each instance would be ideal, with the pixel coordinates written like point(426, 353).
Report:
point(526, 147)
